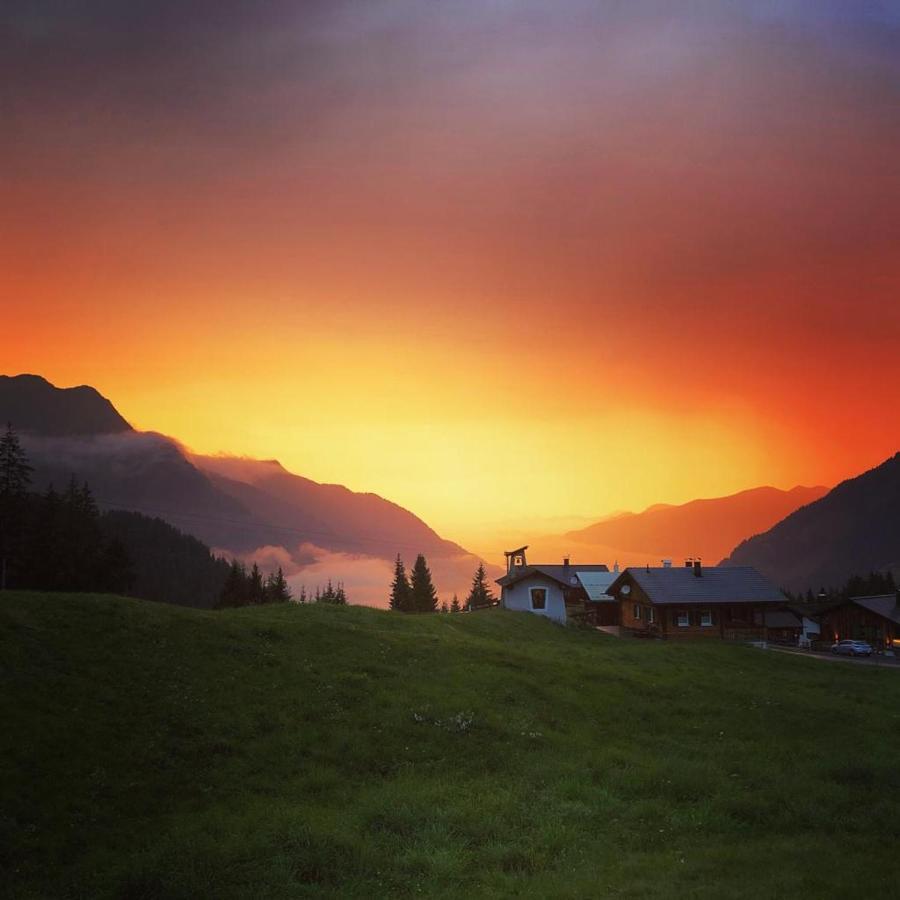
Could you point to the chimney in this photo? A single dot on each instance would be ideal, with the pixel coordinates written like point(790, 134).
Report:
point(565, 562)
point(698, 569)
point(689, 564)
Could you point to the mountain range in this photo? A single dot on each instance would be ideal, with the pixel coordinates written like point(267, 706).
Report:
point(852, 530)
point(239, 506)
point(708, 528)
point(256, 509)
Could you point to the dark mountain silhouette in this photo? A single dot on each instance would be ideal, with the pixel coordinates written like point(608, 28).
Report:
point(35, 405)
point(705, 528)
point(327, 514)
point(233, 505)
point(852, 530)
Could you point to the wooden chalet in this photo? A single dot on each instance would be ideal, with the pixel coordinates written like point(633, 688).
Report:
point(730, 602)
point(872, 619)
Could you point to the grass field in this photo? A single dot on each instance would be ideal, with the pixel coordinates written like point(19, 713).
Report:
point(152, 751)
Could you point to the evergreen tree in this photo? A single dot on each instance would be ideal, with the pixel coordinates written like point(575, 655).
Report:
point(15, 479)
point(302, 598)
point(444, 607)
point(424, 597)
point(233, 589)
point(401, 591)
point(340, 595)
point(255, 586)
point(480, 594)
point(454, 605)
point(279, 592)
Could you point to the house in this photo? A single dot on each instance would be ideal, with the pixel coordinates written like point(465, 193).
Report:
point(872, 619)
point(729, 602)
point(564, 593)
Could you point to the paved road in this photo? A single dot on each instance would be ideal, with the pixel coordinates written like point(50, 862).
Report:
point(883, 662)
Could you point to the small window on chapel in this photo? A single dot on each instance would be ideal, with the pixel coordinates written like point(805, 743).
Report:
point(518, 561)
point(538, 598)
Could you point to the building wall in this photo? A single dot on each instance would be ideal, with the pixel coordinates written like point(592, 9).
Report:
point(857, 623)
point(729, 620)
point(518, 597)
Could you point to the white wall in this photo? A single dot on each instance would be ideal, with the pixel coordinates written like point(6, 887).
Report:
point(518, 597)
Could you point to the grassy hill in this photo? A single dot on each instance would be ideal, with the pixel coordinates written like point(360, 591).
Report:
point(154, 751)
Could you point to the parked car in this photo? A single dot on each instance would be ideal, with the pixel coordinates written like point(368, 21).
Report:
point(852, 648)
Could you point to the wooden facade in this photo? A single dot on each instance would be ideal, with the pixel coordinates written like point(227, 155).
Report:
point(721, 619)
point(853, 621)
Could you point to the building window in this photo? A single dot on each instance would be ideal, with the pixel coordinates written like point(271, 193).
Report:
point(682, 620)
point(518, 560)
point(706, 618)
point(651, 615)
point(636, 611)
point(538, 598)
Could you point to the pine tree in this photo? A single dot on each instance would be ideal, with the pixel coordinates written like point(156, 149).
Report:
point(340, 595)
point(401, 591)
point(480, 594)
point(424, 596)
point(454, 605)
point(255, 586)
point(279, 592)
point(15, 479)
point(303, 597)
point(233, 589)
point(444, 607)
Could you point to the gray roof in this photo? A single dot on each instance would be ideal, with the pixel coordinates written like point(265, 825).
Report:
point(884, 605)
point(596, 583)
point(781, 618)
point(566, 575)
point(717, 584)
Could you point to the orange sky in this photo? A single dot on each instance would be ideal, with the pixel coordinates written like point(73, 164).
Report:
point(497, 262)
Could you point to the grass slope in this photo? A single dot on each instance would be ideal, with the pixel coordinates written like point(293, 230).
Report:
point(153, 751)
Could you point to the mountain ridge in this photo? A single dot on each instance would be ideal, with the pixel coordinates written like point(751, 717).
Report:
point(705, 527)
point(852, 530)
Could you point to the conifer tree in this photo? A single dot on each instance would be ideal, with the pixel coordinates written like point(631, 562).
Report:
point(302, 598)
point(444, 607)
point(480, 594)
point(401, 591)
point(454, 605)
point(15, 479)
point(255, 586)
point(340, 595)
point(279, 592)
point(424, 596)
point(233, 589)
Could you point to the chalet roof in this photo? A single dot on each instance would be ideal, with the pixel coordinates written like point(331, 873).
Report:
point(781, 618)
point(564, 575)
point(717, 584)
point(885, 605)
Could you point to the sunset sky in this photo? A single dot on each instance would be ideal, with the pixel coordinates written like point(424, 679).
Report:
point(498, 261)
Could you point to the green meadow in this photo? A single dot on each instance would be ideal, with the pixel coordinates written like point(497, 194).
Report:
point(151, 751)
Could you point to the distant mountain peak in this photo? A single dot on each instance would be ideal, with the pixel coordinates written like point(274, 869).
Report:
point(32, 404)
point(707, 527)
point(853, 529)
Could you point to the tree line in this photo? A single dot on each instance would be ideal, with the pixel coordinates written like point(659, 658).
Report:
point(60, 541)
point(416, 593)
point(871, 585)
point(54, 541)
